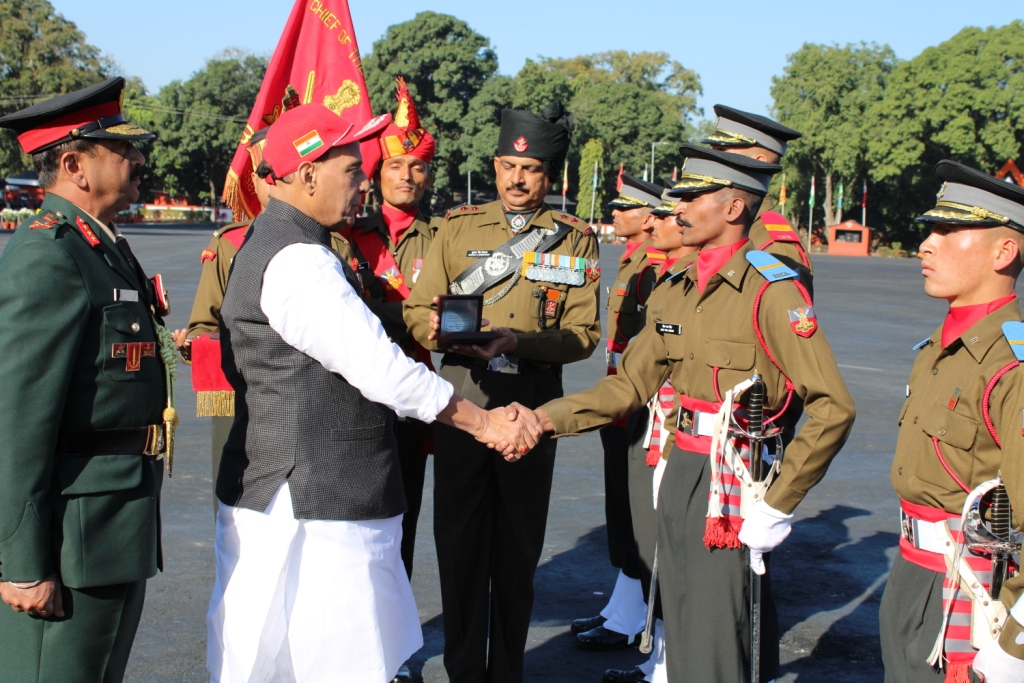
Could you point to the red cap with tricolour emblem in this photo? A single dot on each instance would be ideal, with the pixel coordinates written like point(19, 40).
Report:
point(309, 131)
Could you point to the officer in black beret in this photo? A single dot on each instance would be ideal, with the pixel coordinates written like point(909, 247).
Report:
point(538, 274)
point(85, 365)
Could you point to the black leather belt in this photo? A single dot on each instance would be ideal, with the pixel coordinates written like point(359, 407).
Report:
point(134, 441)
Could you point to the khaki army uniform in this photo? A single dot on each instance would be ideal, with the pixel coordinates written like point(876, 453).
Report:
point(489, 514)
point(696, 338)
point(944, 403)
point(216, 262)
point(626, 306)
point(409, 255)
point(84, 392)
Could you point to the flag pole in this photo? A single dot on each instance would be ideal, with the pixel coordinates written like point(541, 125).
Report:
point(469, 188)
point(810, 216)
point(593, 195)
point(864, 205)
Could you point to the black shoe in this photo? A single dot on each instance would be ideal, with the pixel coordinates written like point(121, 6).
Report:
point(634, 675)
point(603, 640)
point(404, 675)
point(581, 625)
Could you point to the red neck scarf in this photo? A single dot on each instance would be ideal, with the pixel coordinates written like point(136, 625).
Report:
point(710, 261)
point(669, 262)
point(630, 248)
point(961, 318)
point(397, 221)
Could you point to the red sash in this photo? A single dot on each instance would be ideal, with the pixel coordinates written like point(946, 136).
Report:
point(382, 263)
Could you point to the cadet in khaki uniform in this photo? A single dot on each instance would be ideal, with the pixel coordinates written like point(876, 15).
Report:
point(758, 137)
point(949, 443)
point(387, 251)
point(489, 515)
point(648, 430)
point(623, 617)
point(82, 353)
point(700, 335)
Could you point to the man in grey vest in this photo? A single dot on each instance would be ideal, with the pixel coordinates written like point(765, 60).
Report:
point(309, 573)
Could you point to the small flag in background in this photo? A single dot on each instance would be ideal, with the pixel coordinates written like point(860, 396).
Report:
point(782, 194)
point(618, 182)
point(675, 173)
point(595, 178)
point(840, 204)
point(565, 180)
point(811, 199)
point(645, 173)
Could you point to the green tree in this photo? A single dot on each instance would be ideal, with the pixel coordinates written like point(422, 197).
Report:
point(961, 100)
point(42, 54)
point(446, 64)
point(591, 201)
point(199, 123)
point(627, 101)
point(827, 93)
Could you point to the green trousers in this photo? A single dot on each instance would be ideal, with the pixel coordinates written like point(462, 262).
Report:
point(90, 644)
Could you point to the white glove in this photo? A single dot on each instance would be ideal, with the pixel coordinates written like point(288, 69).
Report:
point(763, 530)
point(995, 665)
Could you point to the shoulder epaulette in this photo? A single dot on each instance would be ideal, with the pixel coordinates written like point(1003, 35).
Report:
point(1013, 330)
point(45, 221)
point(571, 220)
point(921, 344)
point(464, 210)
point(778, 227)
point(231, 226)
point(771, 268)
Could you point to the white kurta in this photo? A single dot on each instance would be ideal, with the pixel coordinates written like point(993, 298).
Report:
point(306, 600)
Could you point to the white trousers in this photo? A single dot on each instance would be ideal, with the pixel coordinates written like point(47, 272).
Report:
point(626, 610)
point(299, 601)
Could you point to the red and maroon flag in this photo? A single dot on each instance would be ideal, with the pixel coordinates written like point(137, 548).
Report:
point(316, 60)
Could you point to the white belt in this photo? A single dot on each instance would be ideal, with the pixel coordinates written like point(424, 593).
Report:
point(702, 424)
point(923, 535)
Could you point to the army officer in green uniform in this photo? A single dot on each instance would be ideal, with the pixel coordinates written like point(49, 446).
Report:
point(83, 403)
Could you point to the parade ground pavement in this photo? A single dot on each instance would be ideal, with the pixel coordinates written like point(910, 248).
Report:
point(828, 576)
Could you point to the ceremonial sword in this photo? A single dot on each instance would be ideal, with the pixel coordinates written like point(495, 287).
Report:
point(647, 642)
point(755, 423)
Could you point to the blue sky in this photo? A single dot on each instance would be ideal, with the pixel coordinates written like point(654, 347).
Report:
point(736, 47)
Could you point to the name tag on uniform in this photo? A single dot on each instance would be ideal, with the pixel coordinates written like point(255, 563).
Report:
point(668, 328)
point(622, 289)
point(479, 253)
point(126, 295)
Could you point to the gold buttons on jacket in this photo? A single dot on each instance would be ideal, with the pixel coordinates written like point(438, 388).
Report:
point(699, 309)
point(135, 327)
point(935, 371)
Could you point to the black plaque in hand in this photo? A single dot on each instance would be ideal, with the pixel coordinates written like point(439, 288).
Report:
point(460, 320)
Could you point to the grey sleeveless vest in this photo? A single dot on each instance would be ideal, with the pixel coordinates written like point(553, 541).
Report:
point(295, 420)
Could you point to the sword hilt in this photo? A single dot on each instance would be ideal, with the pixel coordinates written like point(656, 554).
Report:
point(999, 524)
point(755, 424)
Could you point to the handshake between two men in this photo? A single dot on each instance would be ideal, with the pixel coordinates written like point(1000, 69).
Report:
point(512, 430)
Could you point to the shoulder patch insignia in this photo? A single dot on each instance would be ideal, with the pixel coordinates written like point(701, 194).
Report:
point(921, 344)
point(803, 321)
point(207, 255)
point(44, 222)
point(589, 231)
point(778, 227)
point(771, 268)
point(1014, 333)
point(87, 232)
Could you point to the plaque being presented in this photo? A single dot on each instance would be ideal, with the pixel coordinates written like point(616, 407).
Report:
point(460, 316)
